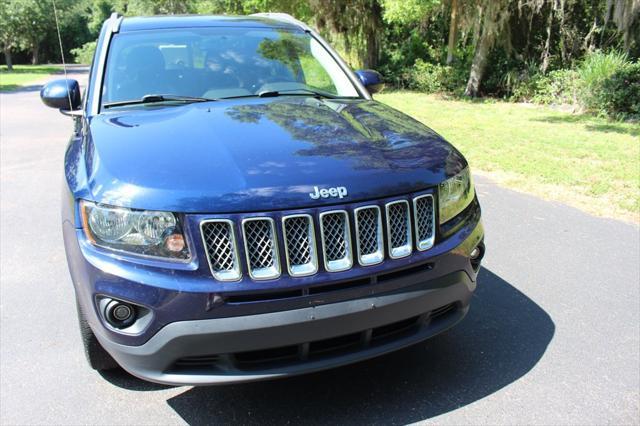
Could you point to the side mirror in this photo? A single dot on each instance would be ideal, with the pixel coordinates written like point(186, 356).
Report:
point(371, 79)
point(58, 94)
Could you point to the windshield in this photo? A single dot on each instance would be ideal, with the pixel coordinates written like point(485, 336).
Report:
point(215, 63)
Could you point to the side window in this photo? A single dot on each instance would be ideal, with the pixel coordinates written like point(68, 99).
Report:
point(293, 53)
point(315, 75)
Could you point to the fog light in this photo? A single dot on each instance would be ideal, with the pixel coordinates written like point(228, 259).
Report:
point(475, 253)
point(122, 312)
point(476, 256)
point(119, 314)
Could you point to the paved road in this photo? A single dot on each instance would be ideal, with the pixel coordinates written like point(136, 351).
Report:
point(552, 336)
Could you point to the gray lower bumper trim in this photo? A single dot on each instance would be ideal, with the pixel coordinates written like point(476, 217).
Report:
point(152, 360)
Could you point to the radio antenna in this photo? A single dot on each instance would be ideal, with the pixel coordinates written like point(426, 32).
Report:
point(64, 65)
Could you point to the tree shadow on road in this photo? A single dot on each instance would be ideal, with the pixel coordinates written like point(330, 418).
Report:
point(504, 335)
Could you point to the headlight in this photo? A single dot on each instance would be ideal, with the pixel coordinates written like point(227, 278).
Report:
point(455, 194)
point(144, 232)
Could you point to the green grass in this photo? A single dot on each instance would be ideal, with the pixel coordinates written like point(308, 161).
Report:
point(22, 75)
point(588, 162)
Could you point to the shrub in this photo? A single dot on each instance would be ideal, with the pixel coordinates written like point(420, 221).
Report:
point(604, 83)
point(558, 87)
point(619, 96)
point(594, 70)
point(430, 78)
point(84, 54)
point(425, 77)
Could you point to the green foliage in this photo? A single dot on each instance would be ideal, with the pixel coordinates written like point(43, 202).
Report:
point(604, 83)
point(100, 11)
point(9, 24)
point(84, 54)
point(619, 96)
point(430, 78)
point(558, 87)
point(533, 43)
point(407, 11)
point(29, 26)
point(427, 77)
point(594, 70)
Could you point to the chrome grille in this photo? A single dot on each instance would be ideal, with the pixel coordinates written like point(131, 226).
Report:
point(398, 229)
point(300, 246)
point(424, 221)
point(260, 238)
point(261, 248)
point(220, 242)
point(369, 244)
point(336, 240)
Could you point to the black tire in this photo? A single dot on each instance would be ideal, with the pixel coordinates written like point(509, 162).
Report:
point(97, 357)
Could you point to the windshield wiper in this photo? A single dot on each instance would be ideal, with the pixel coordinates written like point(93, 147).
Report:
point(290, 92)
point(151, 99)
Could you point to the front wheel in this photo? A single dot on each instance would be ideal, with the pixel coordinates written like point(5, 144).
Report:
point(98, 358)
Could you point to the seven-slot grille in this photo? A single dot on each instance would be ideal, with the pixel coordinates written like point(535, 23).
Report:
point(259, 235)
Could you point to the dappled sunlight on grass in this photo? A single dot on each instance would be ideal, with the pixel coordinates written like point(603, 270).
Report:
point(585, 161)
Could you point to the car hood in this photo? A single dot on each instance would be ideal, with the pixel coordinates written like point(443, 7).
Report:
point(260, 154)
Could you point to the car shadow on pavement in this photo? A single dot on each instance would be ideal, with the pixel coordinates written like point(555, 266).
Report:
point(503, 337)
point(124, 380)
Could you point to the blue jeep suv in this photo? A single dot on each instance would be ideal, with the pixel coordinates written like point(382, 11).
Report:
point(237, 207)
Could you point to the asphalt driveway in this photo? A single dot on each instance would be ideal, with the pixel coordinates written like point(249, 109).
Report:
point(553, 335)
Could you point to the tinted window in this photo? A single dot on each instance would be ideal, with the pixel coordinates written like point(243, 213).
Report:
point(218, 63)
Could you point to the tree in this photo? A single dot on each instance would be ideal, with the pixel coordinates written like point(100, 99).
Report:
point(155, 7)
point(100, 12)
point(37, 22)
point(453, 30)
point(357, 24)
point(9, 30)
point(496, 13)
point(625, 14)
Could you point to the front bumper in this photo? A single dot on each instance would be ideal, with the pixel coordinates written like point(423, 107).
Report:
point(203, 333)
point(278, 344)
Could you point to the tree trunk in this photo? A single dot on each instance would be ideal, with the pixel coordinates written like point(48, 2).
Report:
point(589, 40)
point(547, 44)
point(35, 53)
point(479, 64)
point(477, 27)
point(371, 59)
point(7, 59)
point(563, 47)
point(453, 30)
point(371, 28)
point(494, 18)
